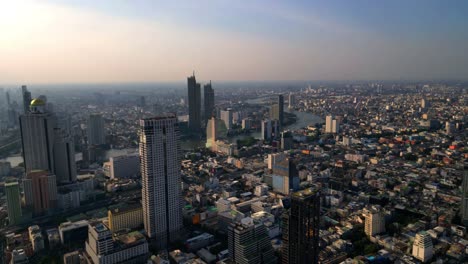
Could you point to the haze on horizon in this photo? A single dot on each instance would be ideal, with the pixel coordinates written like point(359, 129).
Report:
point(58, 41)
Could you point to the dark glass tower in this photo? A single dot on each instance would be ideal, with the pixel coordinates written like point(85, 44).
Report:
point(281, 109)
point(301, 229)
point(194, 102)
point(208, 95)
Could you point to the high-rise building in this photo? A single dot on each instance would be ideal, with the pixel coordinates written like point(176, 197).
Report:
point(375, 221)
point(292, 100)
point(64, 157)
point(209, 101)
point(40, 191)
point(74, 257)
point(266, 130)
point(277, 110)
point(226, 116)
point(160, 170)
point(96, 131)
point(332, 125)
point(464, 200)
point(301, 229)
point(194, 101)
point(26, 99)
point(13, 202)
point(422, 247)
point(37, 136)
point(248, 242)
point(212, 132)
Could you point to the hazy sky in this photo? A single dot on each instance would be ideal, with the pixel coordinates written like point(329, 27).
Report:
point(147, 40)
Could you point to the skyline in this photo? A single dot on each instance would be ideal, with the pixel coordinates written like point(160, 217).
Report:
point(145, 41)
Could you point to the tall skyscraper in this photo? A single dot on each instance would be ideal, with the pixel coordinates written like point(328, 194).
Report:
point(280, 110)
point(64, 157)
point(226, 116)
point(249, 242)
point(301, 229)
point(40, 191)
point(160, 170)
point(292, 100)
point(209, 101)
point(194, 101)
point(211, 130)
point(96, 132)
point(26, 99)
point(266, 130)
point(37, 133)
point(13, 202)
point(464, 200)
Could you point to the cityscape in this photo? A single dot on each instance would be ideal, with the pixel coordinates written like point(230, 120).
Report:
point(179, 169)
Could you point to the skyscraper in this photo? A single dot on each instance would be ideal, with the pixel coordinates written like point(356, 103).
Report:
point(160, 170)
point(26, 99)
point(40, 191)
point(13, 202)
point(464, 200)
point(332, 125)
point(226, 116)
point(292, 100)
point(194, 101)
point(64, 157)
point(301, 229)
point(208, 95)
point(249, 242)
point(37, 133)
point(96, 132)
point(280, 110)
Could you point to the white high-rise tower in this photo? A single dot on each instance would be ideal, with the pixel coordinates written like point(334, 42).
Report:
point(161, 180)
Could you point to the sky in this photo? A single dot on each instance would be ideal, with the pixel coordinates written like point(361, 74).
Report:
point(106, 41)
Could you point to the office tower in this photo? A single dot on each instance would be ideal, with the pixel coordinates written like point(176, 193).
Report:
point(13, 202)
point(266, 130)
point(335, 126)
point(422, 246)
point(280, 110)
point(160, 170)
point(301, 229)
point(8, 100)
point(277, 110)
point(37, 136)
point(194, 101)
point(285, 176)
point(292, 100)
point(424, 104)
point(129, 216)
point(464, 199)
point(375, 221)
point(226, 116)
point(96, 131)
point(275, 158)
point(209, 101)
point(211, 132)
point(26, 99)
point(40, 191)
point(248, 242)
point(275, 128)
point(286, 140)
point(64, 157)
point(101, 248)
